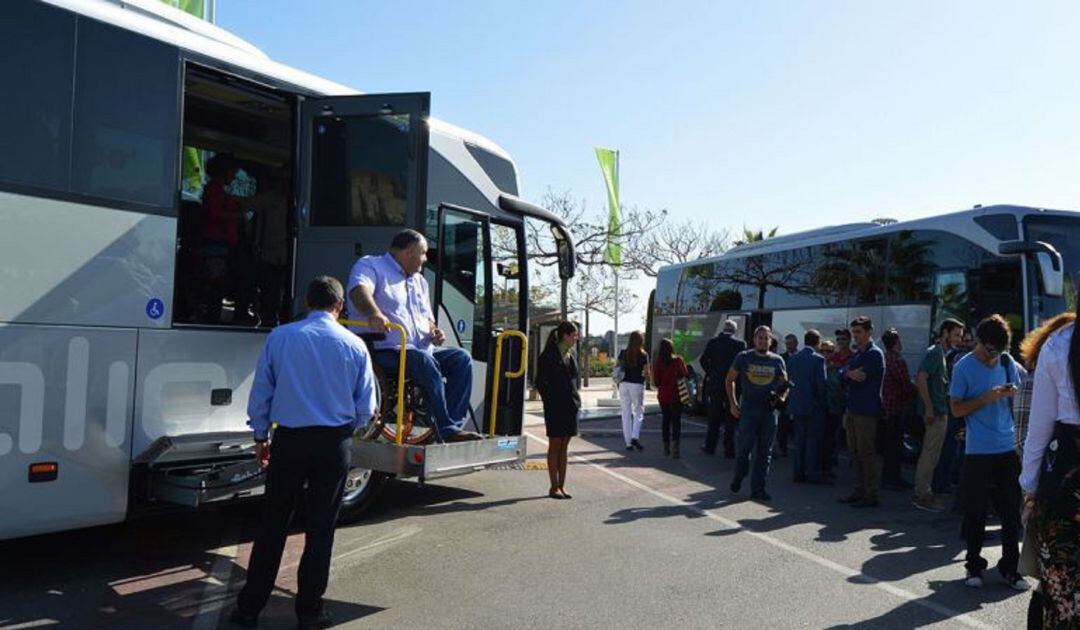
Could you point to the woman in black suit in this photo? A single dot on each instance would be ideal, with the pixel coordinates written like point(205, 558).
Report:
point(556, 380)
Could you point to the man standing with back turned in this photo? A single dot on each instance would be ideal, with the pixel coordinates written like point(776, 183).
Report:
point(314, 380)
point(716, 361)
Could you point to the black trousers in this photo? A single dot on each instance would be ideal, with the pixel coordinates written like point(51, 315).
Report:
point(720, 417)
point(991, 478)
point(891, 441)
point(828, 444)
point(319, 456)
point(671, 425)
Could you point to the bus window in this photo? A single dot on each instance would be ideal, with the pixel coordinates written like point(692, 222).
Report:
point(125, 143)
point(505, 271)
point(463, 275)
point(37, 64)
point(950, 298)
point(372, 187)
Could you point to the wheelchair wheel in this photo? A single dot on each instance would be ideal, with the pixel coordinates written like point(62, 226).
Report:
point(417, 425)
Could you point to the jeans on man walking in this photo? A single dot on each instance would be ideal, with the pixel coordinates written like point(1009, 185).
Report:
point(809, 437)
point(447, 403)
point(757, 431)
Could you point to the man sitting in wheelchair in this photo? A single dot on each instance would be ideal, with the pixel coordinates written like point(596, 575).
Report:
point(391, 288)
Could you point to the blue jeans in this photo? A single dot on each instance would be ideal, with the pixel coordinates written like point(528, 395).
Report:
point(757, 430)
point(952, 455)
point(809, 434)
point(447, 403)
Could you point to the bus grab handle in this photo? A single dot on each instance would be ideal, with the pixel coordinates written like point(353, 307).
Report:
point(509, 374)
point(401, 367)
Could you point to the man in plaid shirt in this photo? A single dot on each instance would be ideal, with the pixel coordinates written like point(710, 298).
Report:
point(896, 396)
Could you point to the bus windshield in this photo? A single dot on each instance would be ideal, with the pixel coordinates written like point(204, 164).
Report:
point(1064, 234)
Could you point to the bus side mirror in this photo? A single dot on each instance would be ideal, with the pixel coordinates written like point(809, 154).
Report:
point(1051, 268)
point(565, 252)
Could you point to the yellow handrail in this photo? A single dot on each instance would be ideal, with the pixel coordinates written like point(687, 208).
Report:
point(401, 367)
point(509, 374)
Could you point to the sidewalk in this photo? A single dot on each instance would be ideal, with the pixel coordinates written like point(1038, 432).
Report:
point(590, 402)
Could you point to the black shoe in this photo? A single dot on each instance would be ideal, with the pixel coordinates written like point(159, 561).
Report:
point(629, 448)
point(865, 503)
point(464, 436)
point(854, 497)
point(735, 485)
point(239, 618)
point(322, 620)
point(634, 442)
point(761, 495)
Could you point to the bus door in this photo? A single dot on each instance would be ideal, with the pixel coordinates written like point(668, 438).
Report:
point(478, 294)
point(362, 178)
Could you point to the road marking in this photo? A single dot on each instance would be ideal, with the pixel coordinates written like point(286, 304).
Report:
point(376, 544)
point(821, 561)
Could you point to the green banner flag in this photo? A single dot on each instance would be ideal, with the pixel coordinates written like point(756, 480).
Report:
point(194, 7)
point(609, 166)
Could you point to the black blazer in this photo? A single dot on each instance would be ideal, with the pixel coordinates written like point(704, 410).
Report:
point(556, 382)
point(717, 359)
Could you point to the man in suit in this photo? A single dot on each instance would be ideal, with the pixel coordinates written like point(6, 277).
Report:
point(806, 404)
point(716, 361)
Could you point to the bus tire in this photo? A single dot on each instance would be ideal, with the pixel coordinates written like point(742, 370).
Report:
point(362, 488)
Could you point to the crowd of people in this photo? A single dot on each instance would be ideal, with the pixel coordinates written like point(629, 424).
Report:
point(995, 434)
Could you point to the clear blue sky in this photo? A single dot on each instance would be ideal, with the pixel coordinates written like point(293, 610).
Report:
point(796, 114)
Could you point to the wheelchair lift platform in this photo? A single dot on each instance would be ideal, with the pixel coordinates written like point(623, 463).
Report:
point(431, 461)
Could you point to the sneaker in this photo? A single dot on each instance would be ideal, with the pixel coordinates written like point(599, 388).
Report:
point(974, 581)
point(629, 448)
point(761, 495)
point(1017, 582)
point(927, 505)
point(636, 444)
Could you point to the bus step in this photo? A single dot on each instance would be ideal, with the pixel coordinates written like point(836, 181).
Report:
point(431, 461)
point(195, 485)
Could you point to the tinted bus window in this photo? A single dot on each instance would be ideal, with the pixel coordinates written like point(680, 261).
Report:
point(667, 288)
point(126, 132)
point(36, 68)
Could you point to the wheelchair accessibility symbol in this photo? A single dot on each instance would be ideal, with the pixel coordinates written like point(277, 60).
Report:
point(155, 309)
point(461, 325)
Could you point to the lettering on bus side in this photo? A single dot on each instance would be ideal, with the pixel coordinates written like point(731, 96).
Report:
point(29, 379)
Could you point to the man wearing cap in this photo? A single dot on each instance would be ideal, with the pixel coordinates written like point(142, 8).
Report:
point(716, 361)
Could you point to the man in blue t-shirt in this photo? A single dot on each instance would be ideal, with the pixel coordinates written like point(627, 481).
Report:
point(983, 383)
point(763, 383)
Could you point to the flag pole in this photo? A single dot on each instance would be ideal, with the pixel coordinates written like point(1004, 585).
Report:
point(615, 268)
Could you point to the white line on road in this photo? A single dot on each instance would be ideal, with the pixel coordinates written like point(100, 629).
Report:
point(847, 572)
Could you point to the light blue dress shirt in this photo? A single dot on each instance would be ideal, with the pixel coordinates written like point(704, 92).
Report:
point(312, 373)
point(402, 299)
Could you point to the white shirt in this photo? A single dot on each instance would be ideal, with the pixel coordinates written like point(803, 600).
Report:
point(1052, 400)
point(402, 299)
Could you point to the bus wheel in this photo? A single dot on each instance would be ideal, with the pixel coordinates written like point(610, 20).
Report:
point(362, 486)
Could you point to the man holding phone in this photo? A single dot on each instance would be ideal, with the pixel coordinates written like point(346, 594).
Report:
point(983, 383)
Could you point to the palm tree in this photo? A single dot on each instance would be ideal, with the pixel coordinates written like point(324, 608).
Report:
point(750, 236)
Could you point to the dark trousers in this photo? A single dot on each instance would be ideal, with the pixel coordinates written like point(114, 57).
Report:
point(757, 432)
point(991, 478)
point(829, 442)
point(671, 425)
point(720, 418)
point(785, 430)
point(806, 456)
point(319, 457)
point(892, 448)
point(952, 455)
point(447, 401)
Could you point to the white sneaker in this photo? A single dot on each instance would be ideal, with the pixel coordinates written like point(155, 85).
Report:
point(974, 581)
point(1018, 583)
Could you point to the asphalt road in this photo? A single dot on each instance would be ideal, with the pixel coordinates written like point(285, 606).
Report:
point(646, 542)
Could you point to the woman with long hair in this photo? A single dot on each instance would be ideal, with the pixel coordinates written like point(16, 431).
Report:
point(634, 363)
point(556, 380)
point(670, 368)
point(1050, 477)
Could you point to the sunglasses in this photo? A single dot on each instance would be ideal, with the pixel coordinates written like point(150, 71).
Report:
point(992, 350)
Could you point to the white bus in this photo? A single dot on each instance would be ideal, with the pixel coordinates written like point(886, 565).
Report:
point(125, 361)
point(1012, 260)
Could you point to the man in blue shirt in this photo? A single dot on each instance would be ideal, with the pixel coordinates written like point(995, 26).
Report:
point(806, 403)
point(763, 381)
point(983, 383)
point(391, 288)
point(314, 380)
point(864, 374)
